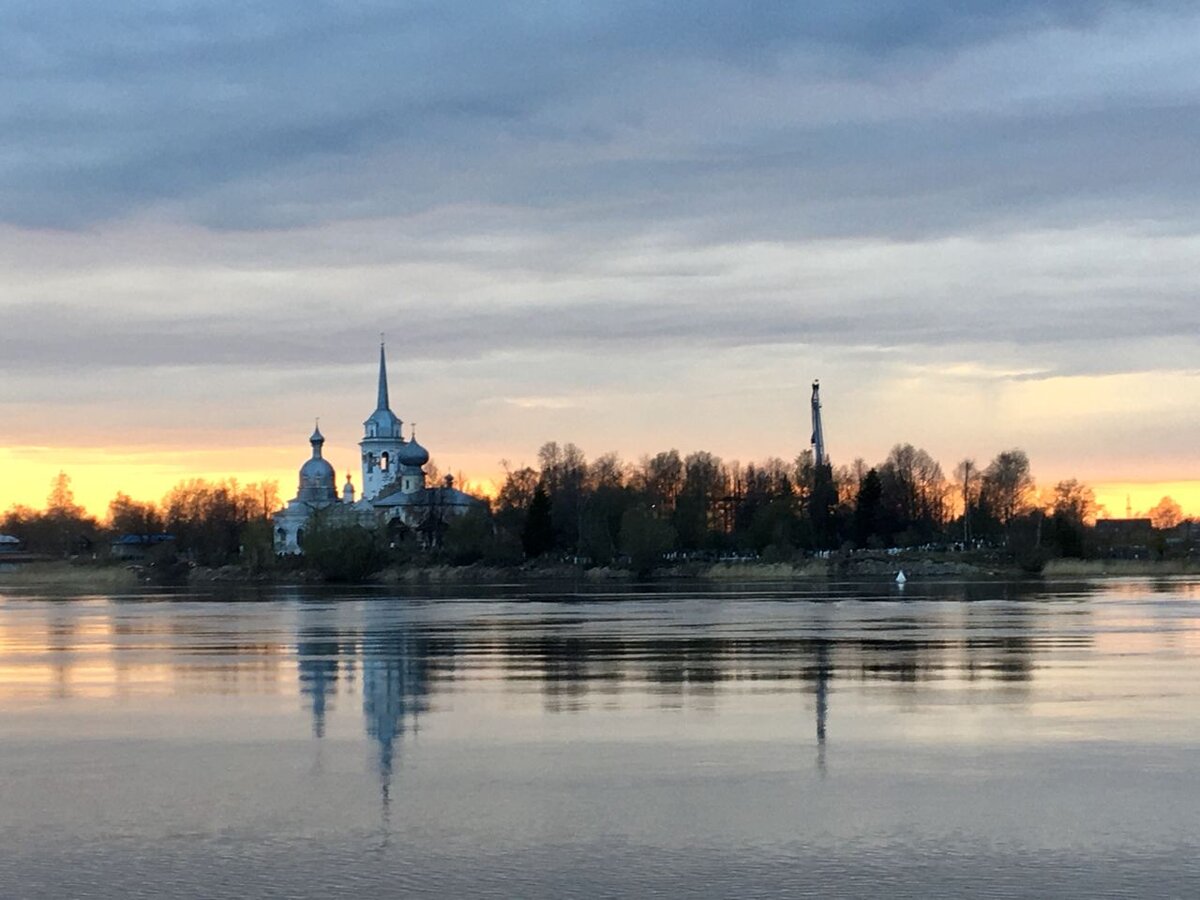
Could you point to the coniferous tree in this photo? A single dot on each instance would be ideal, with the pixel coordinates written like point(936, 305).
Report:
point(868, 509)
point(538, 535)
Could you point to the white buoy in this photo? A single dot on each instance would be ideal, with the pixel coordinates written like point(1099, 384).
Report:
point(900, 579)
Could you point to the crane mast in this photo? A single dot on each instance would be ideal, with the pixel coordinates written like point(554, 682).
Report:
point(818, 433)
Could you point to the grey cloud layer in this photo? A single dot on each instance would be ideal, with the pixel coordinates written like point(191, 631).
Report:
point(616, 193)
point(1067, 340)
point(278, 114)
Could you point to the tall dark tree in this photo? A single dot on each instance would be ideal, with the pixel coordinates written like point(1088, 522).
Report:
point(645, 538)
point(564, 477)
point(914, 494)
point(704, 483)
point(966, 479)
point(822, 503)
point(1006, 492)
point(1006, 487)
point(1074, 510)
point(537, 537)
point(868, 510)
point(512, 503)
point(660, 479)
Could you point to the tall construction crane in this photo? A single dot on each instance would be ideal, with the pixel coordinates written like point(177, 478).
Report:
point(820, 458)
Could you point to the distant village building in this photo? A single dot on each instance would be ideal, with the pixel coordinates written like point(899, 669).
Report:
point(393, 478)
point(1129, 538)
point(138, 546)
point(9, 544)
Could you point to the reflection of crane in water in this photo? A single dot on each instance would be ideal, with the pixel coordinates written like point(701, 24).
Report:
point(823, 672)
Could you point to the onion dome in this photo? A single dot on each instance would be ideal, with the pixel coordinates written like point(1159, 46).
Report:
point(317, 478)
point(412, 454)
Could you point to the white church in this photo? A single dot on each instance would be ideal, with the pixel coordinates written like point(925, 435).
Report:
point(393, 479)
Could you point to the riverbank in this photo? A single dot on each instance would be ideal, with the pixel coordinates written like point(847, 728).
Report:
point(1114, 568)
point(82, 576)
point(72, 576)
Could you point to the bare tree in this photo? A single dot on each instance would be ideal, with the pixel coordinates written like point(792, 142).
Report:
point(914, 489)
point(1166, 514)
point(967, 478)
point(607, 471)
point(1075, 502)
point(1007, 486)
point(660, 478)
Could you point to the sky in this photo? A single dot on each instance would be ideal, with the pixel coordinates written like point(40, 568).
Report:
point(629, 225)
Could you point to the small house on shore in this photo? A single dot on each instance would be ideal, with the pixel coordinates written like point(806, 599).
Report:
point(138, 546)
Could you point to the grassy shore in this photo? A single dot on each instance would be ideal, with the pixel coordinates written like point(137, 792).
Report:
point(93, 577)
point(1102, 568)
point(63, 575)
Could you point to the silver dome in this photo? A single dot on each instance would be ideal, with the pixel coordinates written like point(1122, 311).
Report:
point(412, 454)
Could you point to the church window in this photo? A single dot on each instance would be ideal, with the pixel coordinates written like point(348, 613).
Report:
point(383, 461)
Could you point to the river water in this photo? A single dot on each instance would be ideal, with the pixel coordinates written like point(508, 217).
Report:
point(831, 740)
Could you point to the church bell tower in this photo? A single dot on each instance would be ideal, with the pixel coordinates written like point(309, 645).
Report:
point(382, 441)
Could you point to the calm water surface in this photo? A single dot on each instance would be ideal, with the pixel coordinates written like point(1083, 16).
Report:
point(846, 740)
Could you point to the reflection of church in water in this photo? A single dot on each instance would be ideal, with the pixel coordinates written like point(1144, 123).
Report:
point(393, 665)
point(395, 686)
point(393, 483)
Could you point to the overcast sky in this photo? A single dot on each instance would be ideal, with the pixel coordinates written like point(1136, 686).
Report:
point(634, 226)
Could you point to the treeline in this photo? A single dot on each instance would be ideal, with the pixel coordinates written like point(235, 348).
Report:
point(214, 523)
point(608, 512)
point(605, 510)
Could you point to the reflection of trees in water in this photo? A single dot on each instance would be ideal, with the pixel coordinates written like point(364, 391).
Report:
point(399, 663)
point(570, 657)
point(567, 667)
point(61, 639)
point(572, 667)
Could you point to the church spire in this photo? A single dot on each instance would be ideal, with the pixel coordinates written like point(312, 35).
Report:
point(382, 402)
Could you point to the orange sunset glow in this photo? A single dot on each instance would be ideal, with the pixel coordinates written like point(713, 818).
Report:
point(97, 475)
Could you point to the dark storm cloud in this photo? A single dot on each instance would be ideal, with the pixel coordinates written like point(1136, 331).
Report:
point(243, 115)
